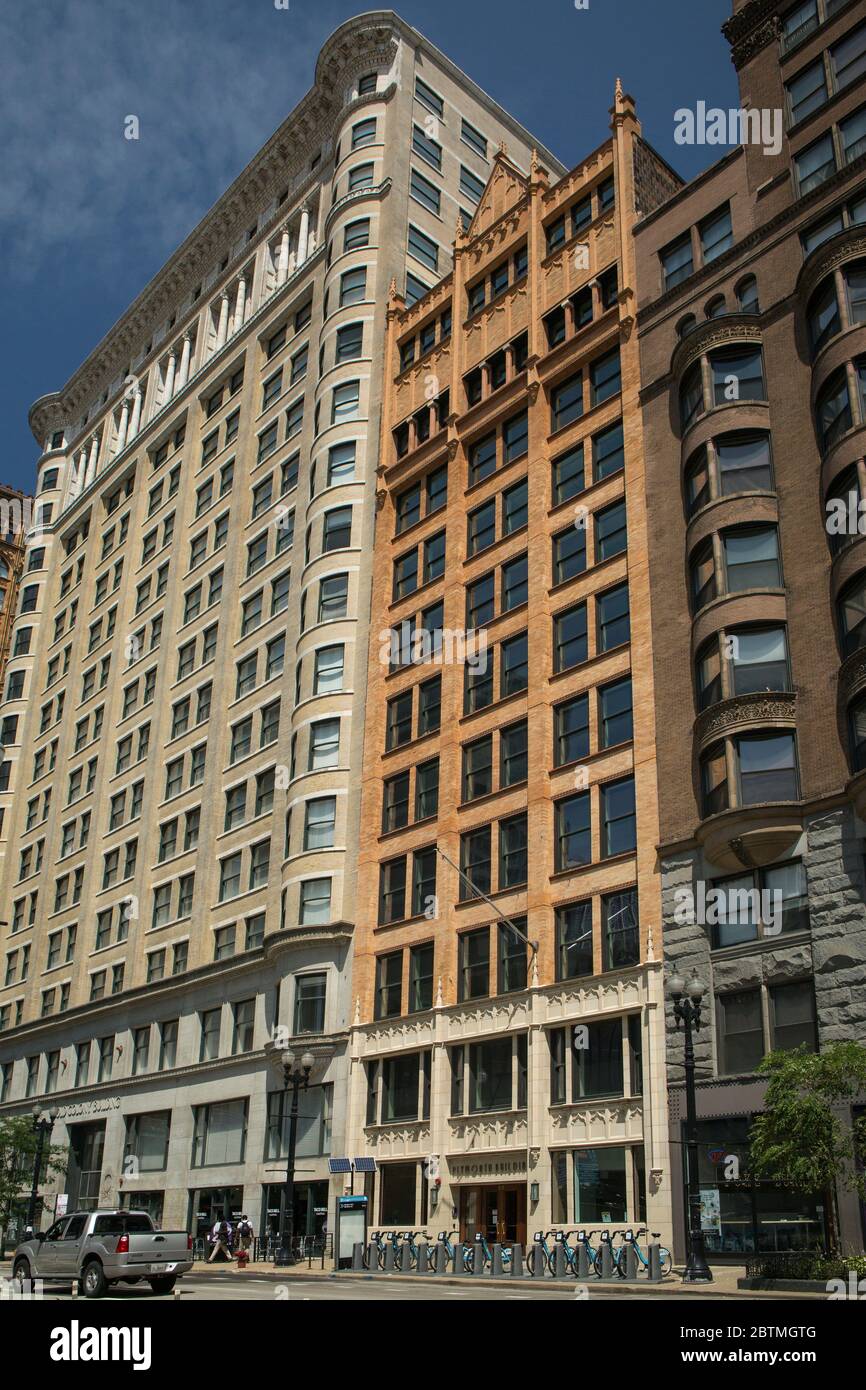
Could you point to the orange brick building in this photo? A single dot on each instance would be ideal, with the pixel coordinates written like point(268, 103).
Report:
point(507, 1048)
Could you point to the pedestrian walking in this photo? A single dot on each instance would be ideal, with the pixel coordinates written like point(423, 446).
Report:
point(222, 1240)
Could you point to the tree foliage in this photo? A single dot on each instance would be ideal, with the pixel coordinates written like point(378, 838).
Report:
point(804, 1138)
point(18, 1142)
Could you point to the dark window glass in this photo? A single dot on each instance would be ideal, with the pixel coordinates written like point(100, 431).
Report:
point(574, 941)
point(573, 839)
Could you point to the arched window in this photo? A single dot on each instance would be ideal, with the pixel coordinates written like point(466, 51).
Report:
point(716, 307)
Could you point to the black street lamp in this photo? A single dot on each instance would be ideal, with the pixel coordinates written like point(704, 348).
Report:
point(687, 1010)
point(298, 1078)
point(42, 1127)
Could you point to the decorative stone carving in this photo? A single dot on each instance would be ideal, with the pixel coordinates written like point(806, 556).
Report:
point(852, 676)
point(754, 27)
point(844, 246)
point(733, 328)
point(758, 708)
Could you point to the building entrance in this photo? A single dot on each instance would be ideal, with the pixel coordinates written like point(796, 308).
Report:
point(497, 1210)
point(84, 1167)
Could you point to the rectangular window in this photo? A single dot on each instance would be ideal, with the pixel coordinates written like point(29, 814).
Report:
point(310, 996)
point(425, 192)
point(716, 234)
point(574, 941)
point(605, 378)
point(573, 837)
point(421, 977)
point(566, 402)
point(511, 957)
point(568, 475)
point(389, 985)
point(474, 955)
point(427, 148)
point(475, 862)
point(570, 642)
point(612, 611)
point(815, 164)
point(740, 1031)
point(677, 261)
point(473, 138)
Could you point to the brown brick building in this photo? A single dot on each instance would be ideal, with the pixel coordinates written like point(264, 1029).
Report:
point(508, 1019)
point(752, 341)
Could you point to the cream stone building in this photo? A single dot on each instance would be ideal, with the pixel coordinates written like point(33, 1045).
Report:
point(180, 817)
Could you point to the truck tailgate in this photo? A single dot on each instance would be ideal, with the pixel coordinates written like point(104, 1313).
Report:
point(158, 1247)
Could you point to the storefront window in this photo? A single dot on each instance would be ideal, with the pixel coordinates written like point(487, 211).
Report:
point(600, 1186)
point(151, 1202)
point(399, 1186)
point(740, 1214)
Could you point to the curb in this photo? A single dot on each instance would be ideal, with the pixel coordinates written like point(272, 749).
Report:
point(674, 1288)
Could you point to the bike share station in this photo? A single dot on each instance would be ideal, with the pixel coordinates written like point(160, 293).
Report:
point(396, 1252)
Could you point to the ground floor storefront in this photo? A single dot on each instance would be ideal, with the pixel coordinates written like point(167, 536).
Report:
point(213, 1149)
point(546, 1110)
point(743, 1215)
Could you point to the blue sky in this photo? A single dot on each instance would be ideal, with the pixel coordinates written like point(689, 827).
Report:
point(87, 217)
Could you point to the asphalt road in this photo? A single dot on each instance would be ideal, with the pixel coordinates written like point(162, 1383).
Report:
point(198, 1289)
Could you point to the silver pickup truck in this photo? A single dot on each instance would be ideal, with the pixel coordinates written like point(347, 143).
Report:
point(105, 1247)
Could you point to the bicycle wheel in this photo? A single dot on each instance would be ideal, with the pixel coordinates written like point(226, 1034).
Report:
point(666, 1259)
point(468, 1258)
point(530, 1259)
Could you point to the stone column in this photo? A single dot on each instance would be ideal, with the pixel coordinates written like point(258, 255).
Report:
point(121, 432)
point(304, 235)
point(136, 414)
point(240, 304)
point(223, 327)
point(169, 376)
point(185, 355)
point(89, 473)
point(283, 255)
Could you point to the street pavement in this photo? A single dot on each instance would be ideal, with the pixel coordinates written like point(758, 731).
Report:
point(263, 1283)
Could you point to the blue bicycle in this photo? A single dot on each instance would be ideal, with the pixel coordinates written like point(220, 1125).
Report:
point(486, 1254)
point(630, 1238)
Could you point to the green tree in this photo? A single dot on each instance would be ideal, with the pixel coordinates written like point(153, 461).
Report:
point(804, 1139)
point(17, 1156)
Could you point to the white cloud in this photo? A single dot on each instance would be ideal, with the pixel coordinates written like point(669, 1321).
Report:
point(208, 82)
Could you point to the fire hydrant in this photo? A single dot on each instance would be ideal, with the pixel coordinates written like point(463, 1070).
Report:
point(243, 1259)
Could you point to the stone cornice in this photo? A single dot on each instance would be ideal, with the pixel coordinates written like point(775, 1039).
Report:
point(754, 27)
point(283, 158)
point(369, 40)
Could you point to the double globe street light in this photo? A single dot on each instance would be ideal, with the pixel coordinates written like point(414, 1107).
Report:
point(42, 1127)
point(298, 1078)
point(687, 999)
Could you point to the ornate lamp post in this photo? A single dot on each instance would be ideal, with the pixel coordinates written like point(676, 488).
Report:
point(298, 1079)
point(687, 1010)
point(42, 1127)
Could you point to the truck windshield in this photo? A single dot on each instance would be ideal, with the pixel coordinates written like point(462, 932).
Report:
point(123, 1223)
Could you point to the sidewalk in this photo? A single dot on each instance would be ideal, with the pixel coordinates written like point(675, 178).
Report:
point(724, 1280)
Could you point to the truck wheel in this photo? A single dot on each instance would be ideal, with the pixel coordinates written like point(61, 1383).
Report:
point(93, 1280)
point(164, 1283)
point(21, 1272)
